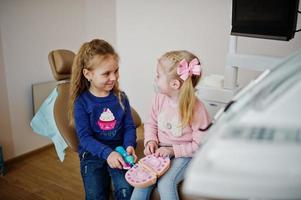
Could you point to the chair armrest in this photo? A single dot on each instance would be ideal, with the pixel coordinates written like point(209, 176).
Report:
point(140, 141)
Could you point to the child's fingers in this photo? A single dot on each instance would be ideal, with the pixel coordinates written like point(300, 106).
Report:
point(115, 160)
point(131, 151)
point(162, 152)
point(158, 152)
point(114, 164)
point(120, 162)
point(152, 149)
point(111, 160)
point(110, 164)
point(135, 157)
point(147, 150)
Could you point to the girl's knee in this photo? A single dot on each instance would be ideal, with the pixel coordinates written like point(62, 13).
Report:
point(168, 179)
point(168, 190)
point(141, 193)
point(165, 184)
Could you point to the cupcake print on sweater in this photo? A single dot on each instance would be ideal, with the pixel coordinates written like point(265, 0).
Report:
point(106, 120)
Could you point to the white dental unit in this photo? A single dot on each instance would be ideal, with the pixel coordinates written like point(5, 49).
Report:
point(253, 150)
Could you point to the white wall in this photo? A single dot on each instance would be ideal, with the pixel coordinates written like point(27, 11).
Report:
point(147, 29)
point(29, 30)
point(5, 127)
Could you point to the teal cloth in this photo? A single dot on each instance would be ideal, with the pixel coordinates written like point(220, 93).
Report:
point(43, 123)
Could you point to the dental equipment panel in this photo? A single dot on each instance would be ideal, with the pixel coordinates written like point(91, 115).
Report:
point(253, 150)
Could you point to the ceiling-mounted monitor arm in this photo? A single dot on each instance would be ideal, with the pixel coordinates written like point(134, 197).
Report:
point(247, 61)
point(231, 71)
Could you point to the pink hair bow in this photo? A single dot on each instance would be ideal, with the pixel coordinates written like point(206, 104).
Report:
point(185, 70)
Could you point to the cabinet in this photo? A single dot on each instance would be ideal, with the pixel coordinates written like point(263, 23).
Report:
point(214, 98)
point(213, 106)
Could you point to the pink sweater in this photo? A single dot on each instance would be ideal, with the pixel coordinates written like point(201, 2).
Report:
point(163, 126)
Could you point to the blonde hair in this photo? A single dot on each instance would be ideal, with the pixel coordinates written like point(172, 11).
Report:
point(187, 98)
point(82, 60)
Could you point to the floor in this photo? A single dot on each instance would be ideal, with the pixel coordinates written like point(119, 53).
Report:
point(41, 176)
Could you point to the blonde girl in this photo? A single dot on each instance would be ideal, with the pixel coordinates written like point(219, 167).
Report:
point(175, 119)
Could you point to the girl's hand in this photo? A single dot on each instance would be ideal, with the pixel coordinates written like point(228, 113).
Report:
point(150, 148)
point(164, 152)
point(115, 160)
point(131, 151)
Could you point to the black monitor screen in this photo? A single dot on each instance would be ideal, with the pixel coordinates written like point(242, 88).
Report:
point(270, 19)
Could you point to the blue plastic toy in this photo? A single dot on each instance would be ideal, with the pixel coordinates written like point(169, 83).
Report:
point(126, 157)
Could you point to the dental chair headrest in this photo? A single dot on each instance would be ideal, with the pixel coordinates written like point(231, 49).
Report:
point(61, 63)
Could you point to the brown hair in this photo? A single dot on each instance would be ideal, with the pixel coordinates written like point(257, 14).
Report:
point(82, 60)
point(187, 98)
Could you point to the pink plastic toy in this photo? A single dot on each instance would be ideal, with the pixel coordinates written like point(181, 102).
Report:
point(146, 172)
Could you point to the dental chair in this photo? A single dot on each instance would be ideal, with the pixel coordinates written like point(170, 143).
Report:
point(61, 64)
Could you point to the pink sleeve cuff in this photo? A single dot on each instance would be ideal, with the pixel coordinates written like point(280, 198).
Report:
point(180, 151)
point(186, 150)
point(176, 151)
